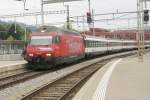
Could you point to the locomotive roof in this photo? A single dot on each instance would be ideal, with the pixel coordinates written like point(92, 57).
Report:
point(50, 29)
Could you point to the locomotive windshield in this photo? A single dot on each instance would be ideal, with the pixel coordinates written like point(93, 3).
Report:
point(40, 40)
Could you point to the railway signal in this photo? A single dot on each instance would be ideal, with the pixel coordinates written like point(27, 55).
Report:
point(89, 18)
point(146, 15)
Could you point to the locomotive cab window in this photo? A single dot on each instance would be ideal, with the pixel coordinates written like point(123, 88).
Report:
point(56, 39)
point(40, 40)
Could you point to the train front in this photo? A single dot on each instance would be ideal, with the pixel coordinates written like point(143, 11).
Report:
point(39, 50)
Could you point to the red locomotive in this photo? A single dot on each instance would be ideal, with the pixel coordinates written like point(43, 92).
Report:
point(52, 45)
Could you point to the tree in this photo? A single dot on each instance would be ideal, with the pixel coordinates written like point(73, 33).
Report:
point(8, 29)
point(3, 32)
point(17, 32)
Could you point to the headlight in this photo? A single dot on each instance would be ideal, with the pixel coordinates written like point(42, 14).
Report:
point(31, 54)
point(48, 54)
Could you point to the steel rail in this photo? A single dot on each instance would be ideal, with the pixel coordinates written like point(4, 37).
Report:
point(17, 78)
point(61, 88)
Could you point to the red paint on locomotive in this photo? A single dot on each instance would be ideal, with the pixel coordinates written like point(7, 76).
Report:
point(63, 47)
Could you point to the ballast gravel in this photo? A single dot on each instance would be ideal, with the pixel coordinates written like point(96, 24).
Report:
point(18, 91)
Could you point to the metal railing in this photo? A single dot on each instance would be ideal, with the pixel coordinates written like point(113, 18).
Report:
point(11, 47)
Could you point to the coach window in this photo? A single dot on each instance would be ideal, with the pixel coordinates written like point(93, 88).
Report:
point(87, 44)
point(91, 43)
point(117, 44)
point(113, 43)
point(97, 43)
point(103, 44)
point(94, 43)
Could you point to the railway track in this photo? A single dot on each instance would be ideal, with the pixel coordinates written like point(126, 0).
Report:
point(12, 72)
point(64, 87)
point(58, 88)
point(18, 76)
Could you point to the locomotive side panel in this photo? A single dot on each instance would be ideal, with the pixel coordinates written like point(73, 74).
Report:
point(71, 48)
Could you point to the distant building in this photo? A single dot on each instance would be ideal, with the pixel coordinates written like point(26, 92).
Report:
point(117, 34)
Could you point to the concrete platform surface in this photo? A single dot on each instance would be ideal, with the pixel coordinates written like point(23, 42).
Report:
point(120, 79)
point(11, 65)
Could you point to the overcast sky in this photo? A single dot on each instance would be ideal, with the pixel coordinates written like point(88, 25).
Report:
point(77, 8)
point(101, 6)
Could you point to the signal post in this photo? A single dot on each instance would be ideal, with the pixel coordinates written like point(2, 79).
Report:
point(142, 18)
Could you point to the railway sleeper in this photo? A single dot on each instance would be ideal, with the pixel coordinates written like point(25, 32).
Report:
point(57, 89)
point(44, 98)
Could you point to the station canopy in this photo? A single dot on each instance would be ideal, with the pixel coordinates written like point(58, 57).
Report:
point(57, 1)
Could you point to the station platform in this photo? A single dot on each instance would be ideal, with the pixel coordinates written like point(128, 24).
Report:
point(11, 57)
point(11, 65)
point(120, 79)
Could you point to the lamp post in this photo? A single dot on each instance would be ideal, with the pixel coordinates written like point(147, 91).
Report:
point(15, 25)
point(140, 29)
point(25, 9)
point(24, 4)
point(42, 12)
point(140, 26)
point(68, 16)
point(89, 1)
point(91, 18)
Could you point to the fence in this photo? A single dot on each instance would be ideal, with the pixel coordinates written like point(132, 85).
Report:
point(11, 47)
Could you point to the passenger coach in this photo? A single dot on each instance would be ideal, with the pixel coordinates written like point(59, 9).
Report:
point(96, 45)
